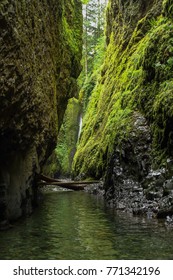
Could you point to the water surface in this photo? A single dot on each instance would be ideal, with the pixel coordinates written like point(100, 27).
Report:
point(76, 225)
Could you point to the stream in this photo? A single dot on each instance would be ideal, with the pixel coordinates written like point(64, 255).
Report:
point(77, 225)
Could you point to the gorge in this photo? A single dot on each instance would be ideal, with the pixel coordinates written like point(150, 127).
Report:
point(127, 133)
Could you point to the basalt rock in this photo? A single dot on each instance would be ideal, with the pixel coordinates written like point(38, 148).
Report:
point(39, 63)
point(131, 184)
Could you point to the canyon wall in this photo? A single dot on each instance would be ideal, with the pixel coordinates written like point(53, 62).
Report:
point(127, 136)
point(39, 63)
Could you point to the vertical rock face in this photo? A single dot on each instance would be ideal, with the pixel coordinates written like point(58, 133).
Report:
point(127, 136)
point(39, 63)
point(123, 17)
point(67, 138)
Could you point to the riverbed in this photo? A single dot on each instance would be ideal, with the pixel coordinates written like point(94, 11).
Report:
point(77, 225)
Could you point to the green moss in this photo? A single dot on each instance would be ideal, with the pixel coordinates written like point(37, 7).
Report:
point(136, 76)
point(41, 51)
point(67, 138)
point(168, 8)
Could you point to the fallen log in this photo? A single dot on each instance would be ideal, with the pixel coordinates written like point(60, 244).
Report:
point(47, 179)
point(52, 180)
point(75, 187)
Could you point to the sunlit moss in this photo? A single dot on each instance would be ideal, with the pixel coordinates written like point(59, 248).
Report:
point(168, 8)
point(136, 76)
point(67, 139)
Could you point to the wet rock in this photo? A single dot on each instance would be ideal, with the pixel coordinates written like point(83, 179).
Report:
point(163, 213)
point(151, 195)
point(138, 187)
point(168, 184)
point(134, 163)
point(169, 221)
point(120, 206)
point(96, 189)
point(170, 165)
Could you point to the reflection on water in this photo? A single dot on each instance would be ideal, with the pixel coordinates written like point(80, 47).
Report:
point(75, 225)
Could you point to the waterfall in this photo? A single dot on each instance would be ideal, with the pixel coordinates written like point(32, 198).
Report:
point(80, 126)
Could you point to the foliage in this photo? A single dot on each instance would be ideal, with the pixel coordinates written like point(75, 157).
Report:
point(168, 8)
point(95, 49)
point(136, 75)
point(93, 46)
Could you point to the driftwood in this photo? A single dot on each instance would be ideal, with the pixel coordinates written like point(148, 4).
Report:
point(47, 179)
point(73, 185)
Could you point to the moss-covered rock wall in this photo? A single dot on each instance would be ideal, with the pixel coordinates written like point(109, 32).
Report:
point(67, 139)
point(127, 130)
point(39, 63)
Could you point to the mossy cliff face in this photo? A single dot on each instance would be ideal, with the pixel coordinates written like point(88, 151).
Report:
point(127, 131)
point(60, 162)
point(39, 63)
point(67, 138)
